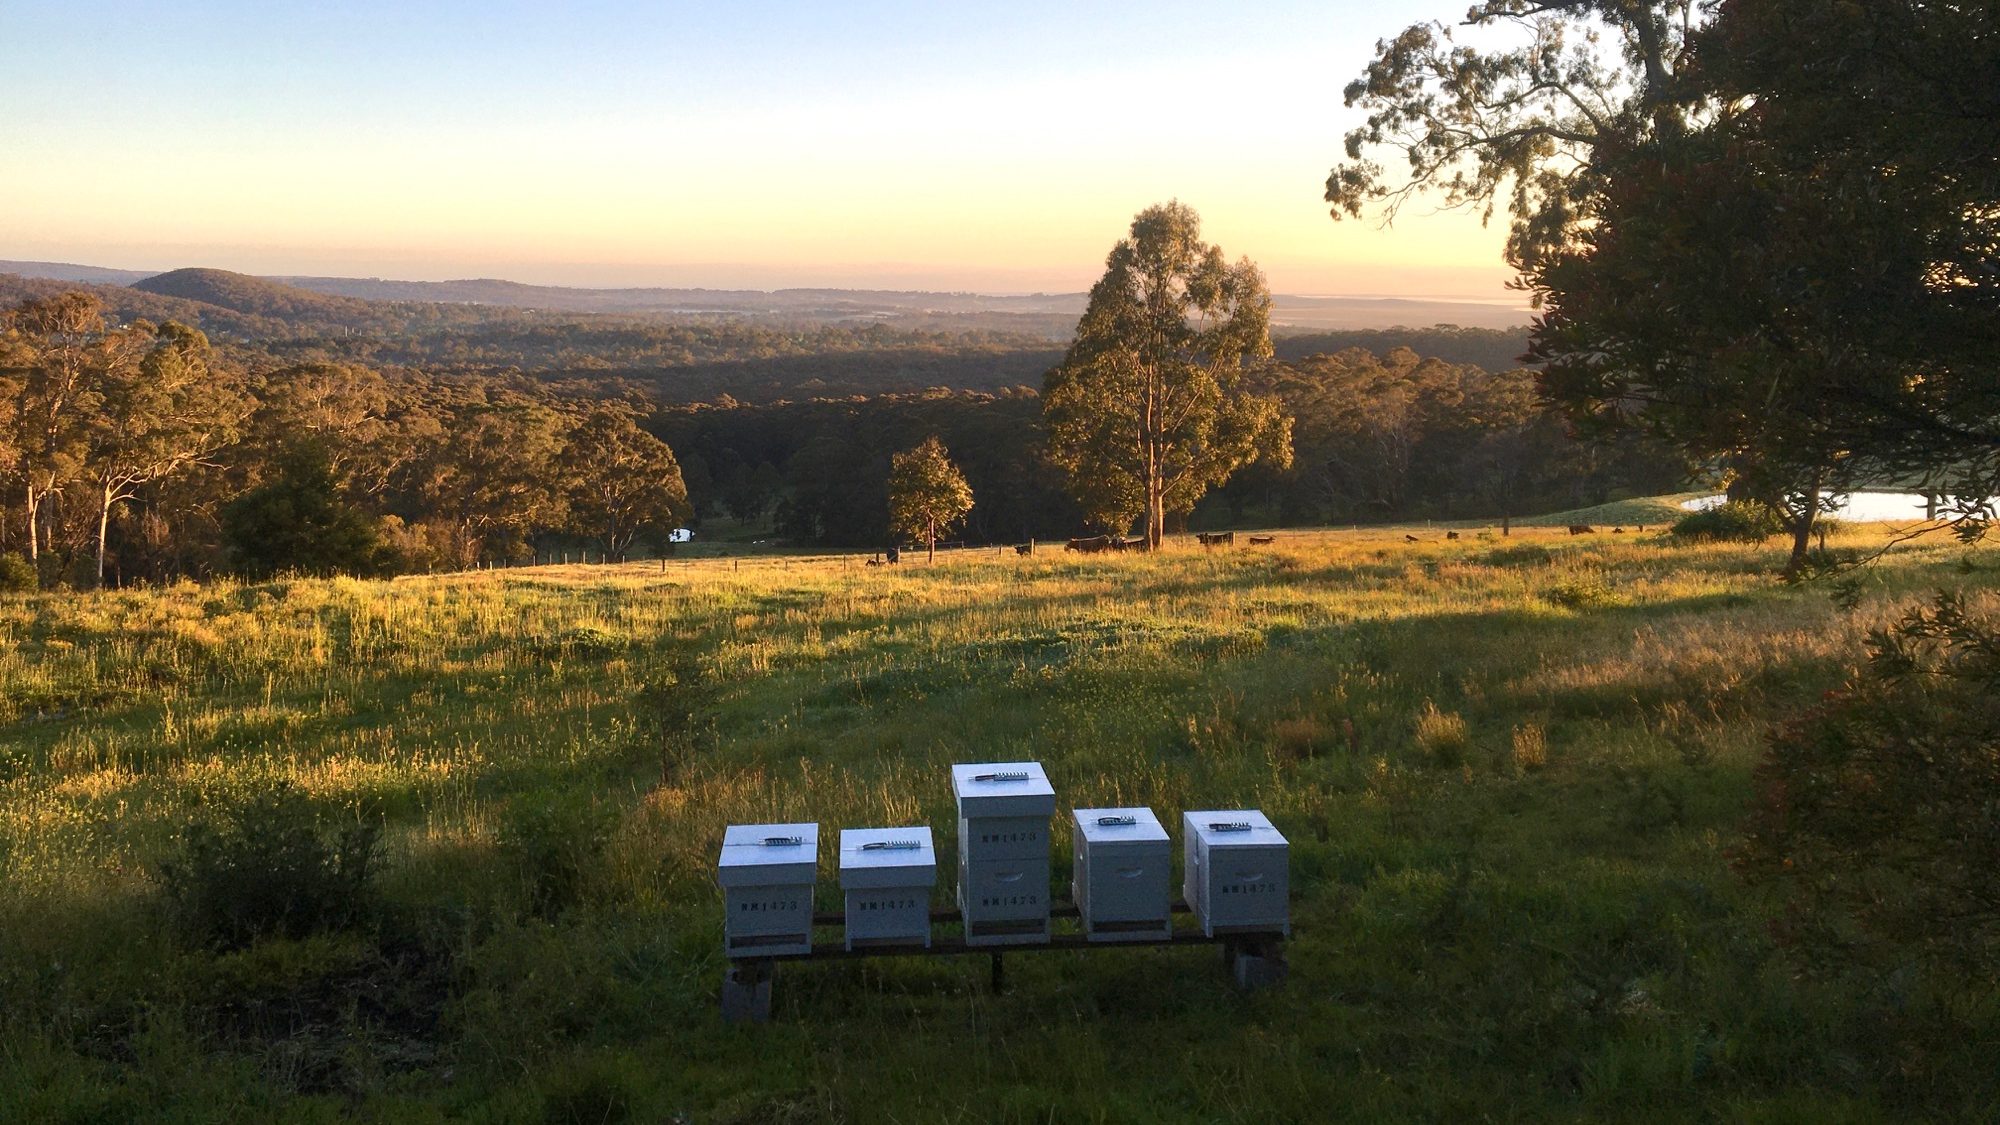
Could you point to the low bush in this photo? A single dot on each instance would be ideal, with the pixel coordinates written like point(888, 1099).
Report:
point(1739, 521)
point(1301, 737)
point(556, 842)
point(1441, 736)
point(17, 575)
point(1584, 591)
point(1876, 811)
point(264, 868)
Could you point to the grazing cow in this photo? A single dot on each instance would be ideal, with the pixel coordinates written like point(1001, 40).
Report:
point(1137, 543)
point(1262, 540)
point(1216, 538)
point(1411, 539)
point(1451, 535)
point(1617, 531)
point(1582, 529)
point(1024, 548)
point(1092, 545)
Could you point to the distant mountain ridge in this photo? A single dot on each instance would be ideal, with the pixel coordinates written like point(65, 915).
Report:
point(69, 271)
point(1050, 315)
point(768, 347)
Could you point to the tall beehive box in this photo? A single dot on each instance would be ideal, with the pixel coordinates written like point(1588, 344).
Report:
point(1003, 851)
point(767, 873)
point(1236, 875)
point(887, 875)
point(1121, 875)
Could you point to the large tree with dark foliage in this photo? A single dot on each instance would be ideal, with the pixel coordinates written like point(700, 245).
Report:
point(1146, 411)
point(297, 522)
point(625, 481)
point(1766, 230)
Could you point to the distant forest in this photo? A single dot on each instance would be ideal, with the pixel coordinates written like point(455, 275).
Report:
point(448, 435)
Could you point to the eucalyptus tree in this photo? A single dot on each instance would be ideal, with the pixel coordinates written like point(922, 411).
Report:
point(62, 345)
point(491, 473)
point(1146, 412)
point(169, 412)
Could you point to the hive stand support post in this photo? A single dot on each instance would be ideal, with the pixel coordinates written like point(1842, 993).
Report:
point(999, 975)
point(1256, 962)
point(746, 992)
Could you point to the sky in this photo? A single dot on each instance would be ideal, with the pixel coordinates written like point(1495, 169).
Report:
point(756, 144)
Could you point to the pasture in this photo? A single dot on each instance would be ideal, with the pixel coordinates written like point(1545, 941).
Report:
point(1511, 770)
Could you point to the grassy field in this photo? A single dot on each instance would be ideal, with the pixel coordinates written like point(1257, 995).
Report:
point(1511, 769)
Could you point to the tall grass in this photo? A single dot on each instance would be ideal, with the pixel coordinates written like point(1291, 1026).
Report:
point(1510, 807)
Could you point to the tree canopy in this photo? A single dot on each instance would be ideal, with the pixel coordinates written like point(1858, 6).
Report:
point(1765, 231)
point(927, 493)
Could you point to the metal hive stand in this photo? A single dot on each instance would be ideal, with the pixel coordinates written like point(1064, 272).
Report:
point(1256, 959)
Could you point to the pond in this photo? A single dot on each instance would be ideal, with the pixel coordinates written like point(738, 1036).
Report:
point(1862, 507)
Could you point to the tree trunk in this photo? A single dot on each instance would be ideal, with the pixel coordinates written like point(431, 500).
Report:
point(931, 538)
point(1802, 527)
point(1506, 524)
point(103, 526)
point(35, 499)
point(1156, 512)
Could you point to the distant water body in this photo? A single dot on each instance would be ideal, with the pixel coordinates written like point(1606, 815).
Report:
point(1860, 507)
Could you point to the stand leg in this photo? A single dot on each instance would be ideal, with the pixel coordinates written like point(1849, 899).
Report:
point(999, 975)
point(1257, 963)
point(746, 992)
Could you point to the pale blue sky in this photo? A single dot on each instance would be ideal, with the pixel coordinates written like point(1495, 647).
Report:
point(751, 144)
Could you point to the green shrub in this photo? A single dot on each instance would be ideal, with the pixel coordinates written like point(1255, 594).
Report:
point(1738, 521)
point(582, 642)
point(265, 868)
point(299, 523)
point(1585, 591)
point(556, 841)
point(1876, 810)
point(17, 575)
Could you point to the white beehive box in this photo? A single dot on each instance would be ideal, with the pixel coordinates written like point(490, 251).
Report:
point(1121, 875)
point(1003, 851)
point(1237, 876)
point(767, 873)
point(887, 875)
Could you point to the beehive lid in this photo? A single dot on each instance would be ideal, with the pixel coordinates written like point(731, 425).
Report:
point(1002, 789)
point(762, 855)
point(1119, 826)
point(1234, 828)
point(887, 857)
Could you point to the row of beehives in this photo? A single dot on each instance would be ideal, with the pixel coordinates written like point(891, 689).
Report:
point(1235, 872)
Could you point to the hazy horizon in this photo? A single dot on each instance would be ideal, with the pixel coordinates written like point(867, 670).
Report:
point(772, 145)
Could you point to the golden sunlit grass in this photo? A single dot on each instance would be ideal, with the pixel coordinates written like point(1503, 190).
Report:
point(1510, 767)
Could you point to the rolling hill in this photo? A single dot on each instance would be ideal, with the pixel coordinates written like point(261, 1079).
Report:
point(256, 296)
